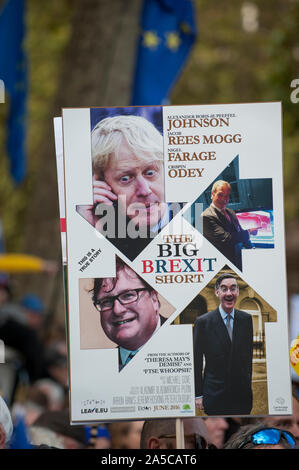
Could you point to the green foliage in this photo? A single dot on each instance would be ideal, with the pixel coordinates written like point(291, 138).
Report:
point(48, 30)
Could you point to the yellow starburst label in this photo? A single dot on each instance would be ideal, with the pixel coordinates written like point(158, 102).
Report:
point(294, 355)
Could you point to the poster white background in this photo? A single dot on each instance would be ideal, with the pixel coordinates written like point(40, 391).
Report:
point(98, 390)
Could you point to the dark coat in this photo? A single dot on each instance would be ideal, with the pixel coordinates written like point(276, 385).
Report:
point(227, 237)
point(225, 383)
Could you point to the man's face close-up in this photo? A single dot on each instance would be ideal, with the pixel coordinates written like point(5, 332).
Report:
point(142, 184)
point(132, 324)
point(228, 292)
point(220, 197)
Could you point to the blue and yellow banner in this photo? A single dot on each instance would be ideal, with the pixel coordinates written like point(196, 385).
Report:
point(168, 31)
point(13, 73)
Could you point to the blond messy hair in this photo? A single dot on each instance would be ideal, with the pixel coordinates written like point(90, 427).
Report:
point(141, 136)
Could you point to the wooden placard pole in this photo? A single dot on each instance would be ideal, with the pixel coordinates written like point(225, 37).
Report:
point(180, 439)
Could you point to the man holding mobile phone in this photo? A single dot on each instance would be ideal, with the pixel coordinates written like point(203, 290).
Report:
point(127, 155)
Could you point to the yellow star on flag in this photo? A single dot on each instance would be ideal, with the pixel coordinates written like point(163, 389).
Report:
point(173, 41)
point(150, 39)
point(185, 28)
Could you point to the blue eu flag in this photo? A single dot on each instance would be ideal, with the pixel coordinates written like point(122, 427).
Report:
point(20, 439)
point(168, 31)
point(13, 73)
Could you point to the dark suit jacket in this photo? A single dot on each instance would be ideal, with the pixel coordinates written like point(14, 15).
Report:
point(120, 365)
point(225, 383)
point(227, 237)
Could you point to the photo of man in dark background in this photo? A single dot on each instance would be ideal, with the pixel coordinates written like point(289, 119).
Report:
point(237, 214)
point(221, 226)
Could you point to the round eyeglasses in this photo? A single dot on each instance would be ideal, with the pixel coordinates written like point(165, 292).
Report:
point(125, 298)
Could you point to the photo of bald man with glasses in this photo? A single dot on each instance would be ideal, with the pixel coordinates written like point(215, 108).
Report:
point(223, 349)
point(129, 310)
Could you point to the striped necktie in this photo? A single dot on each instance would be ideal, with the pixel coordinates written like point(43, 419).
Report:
point(130, 356)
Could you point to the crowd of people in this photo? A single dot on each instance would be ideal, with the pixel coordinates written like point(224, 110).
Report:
point(34, 402)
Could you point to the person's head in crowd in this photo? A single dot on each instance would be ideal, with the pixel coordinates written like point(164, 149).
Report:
point(127, 154)
point(35, 403)
point(125, 434)
point(6, 425)
point(5, 290)
point(260, 436)
point(161, 434)
point(56, 365)
point(128, 306)
point(234, 423)
point(98, 437)
point(43, 395)
point(34, 310)
point(217, 428)
point(40, 436)
point(72, 437)
point(52, 391)
point(288, 423)
point(220, 194)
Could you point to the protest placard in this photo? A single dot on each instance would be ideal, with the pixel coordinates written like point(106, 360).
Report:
point(160, 201)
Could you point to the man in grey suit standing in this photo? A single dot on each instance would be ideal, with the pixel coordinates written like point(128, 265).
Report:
point(221, 226)
point(223, 346)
